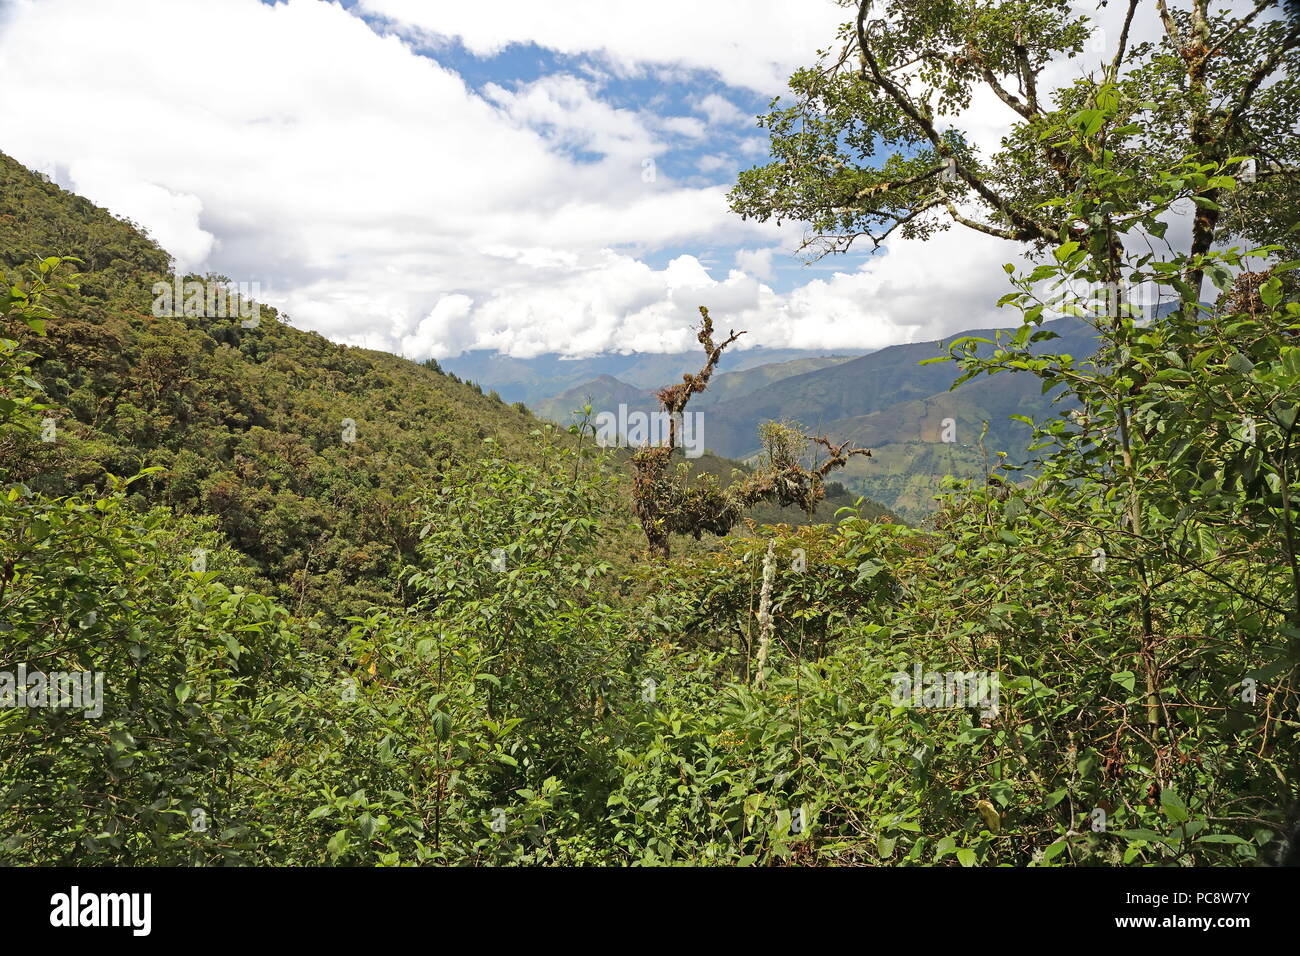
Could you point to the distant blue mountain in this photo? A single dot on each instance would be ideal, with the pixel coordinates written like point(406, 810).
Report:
point(545, 376)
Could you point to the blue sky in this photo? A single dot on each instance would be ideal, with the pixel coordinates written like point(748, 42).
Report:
point(434, 177)
point(690, 160)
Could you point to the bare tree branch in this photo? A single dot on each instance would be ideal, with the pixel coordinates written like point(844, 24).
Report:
point(1122, 48)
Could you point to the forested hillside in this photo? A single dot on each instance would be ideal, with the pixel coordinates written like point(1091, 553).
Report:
point(245, 424)
point(249, 427)
point(901, 403)
point(880, 382)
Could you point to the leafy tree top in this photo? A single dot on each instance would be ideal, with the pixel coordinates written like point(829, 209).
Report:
point(870, 145)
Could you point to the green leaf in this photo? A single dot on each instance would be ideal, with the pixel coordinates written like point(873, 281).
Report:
point(1053, 851)
point(1239, 363)
point(1065, 250)
point(1173, 805)
point(338, 844)
point(1271, 292)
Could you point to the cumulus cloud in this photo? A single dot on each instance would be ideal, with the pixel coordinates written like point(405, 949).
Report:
point(751, 43)
point(360, 182)
point(916, 292)
point(721, 111)
point(381, 200)
point(755, 262)
point(565, 108)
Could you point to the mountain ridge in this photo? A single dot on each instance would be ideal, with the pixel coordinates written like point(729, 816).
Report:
point(545, 376)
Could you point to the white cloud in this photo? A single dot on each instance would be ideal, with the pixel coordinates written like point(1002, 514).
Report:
point(755, 262)
point(172, 219)
point(918, 291)
point(687, 126)
point(441, 332)
point(359, 182)
point(565, 107)
point(750, 43)
point(721, 111)
point(381, 201)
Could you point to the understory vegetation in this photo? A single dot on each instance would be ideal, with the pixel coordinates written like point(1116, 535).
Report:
point(532, 703)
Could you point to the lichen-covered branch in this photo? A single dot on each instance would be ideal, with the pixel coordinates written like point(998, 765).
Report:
point(667, 502)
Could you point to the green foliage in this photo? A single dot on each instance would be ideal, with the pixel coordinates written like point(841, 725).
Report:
point(871, 140)
point(1094, 666)
point(246, 424)
point(25, 301)
point(189, 670)
point(666, 501)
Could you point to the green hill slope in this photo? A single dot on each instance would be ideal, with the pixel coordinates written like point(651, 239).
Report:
point(251, 425)
point(916, 443)
point(310, 456)
point(732, 385)
point(545, 376)
point(604, 393)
